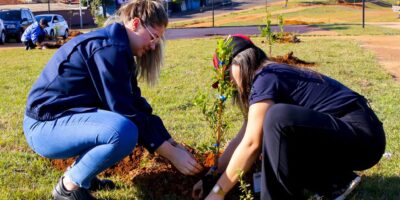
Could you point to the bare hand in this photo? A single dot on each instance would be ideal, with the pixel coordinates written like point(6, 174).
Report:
point(185, 162)
point(198, 190)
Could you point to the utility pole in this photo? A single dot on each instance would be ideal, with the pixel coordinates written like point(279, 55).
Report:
point(104, 8)
point(80, 13)
point(212, 5)
point(48, 6)
point(363, 13)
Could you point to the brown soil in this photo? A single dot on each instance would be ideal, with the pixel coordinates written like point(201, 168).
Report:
point(7, 2)
point(286, 37)
point(59, 41)
point(291, 60)
point(346, 3)
point(299, 22)
point(147, 171)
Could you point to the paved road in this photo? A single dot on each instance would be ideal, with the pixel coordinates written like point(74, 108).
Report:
point(185, 33)
point(180, 33)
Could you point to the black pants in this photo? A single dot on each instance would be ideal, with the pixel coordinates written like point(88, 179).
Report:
point(305, 149)
point(29, 45)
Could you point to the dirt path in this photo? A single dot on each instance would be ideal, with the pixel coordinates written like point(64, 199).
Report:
point(11, 46)
point(387, 51)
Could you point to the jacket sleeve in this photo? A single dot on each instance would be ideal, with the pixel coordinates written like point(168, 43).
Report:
point(112, 76)
point(142, 102)
point(36, 32)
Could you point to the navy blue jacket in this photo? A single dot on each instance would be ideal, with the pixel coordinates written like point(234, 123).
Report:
point(33, 32)
point(95, 71)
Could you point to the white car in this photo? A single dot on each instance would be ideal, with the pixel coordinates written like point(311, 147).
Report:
point(57, 25)
point(2, 32)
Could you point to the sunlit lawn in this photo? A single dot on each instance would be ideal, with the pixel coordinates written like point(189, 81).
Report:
point(24, 175)
point(313, 12)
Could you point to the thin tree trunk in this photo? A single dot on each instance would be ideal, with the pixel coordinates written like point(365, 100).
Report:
point(103, 3)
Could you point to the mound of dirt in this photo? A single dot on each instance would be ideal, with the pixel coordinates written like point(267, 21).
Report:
point(286, 37)
point(290, 59)
point(299, 22)
point(154, 176)
point(59, 41)
point(294, 22)
point(348, 3)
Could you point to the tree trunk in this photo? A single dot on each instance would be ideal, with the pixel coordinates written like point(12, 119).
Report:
point(103, 3)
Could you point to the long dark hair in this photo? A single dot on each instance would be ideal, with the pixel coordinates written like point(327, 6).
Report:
point(250, 61)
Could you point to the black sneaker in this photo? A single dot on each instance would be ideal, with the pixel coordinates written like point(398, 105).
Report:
point(60, 193)
point(101, 184)
point(340, 193)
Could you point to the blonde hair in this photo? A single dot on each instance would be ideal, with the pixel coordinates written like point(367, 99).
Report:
point(151, 13)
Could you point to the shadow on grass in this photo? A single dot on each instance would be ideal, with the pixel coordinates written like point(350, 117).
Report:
point(378, 187)
point(333, 27)
point(315, 3)
point(167, 185)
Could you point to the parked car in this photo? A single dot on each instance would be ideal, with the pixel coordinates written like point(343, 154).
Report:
point(57, 25)
point(2, 32)
point(16, 21)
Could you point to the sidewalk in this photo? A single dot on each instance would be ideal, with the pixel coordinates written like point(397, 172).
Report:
point(394, 25)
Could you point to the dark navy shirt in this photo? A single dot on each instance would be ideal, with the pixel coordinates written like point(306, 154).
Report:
point(285, 84)
point(95, 71)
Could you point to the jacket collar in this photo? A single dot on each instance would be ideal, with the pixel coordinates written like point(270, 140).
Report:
point(119, 36)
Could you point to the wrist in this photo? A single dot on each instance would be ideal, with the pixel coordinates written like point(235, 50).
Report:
point(166, 150)
point(217, 189)
point(173, 142)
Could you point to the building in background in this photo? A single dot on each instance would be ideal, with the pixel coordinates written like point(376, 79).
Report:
point(69, 9)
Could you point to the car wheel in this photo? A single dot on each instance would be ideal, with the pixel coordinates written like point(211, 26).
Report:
point(66, 34)
point(51, 34)
point(2, 38)
point(7, 38)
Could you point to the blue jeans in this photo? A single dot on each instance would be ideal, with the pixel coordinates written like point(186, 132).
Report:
point(100, 139)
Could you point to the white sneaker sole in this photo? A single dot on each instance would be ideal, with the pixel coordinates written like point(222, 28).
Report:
point(350, 189)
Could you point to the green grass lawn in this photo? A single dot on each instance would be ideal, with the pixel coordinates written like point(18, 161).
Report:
point(327, 12)
point(24, 175)
point(355, 29)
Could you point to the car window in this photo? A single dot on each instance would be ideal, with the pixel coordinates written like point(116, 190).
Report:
point(30, 18)
point(10, 15)
point(55, 19)
point(48, 18)
point(60, 18)
point(24, 15)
